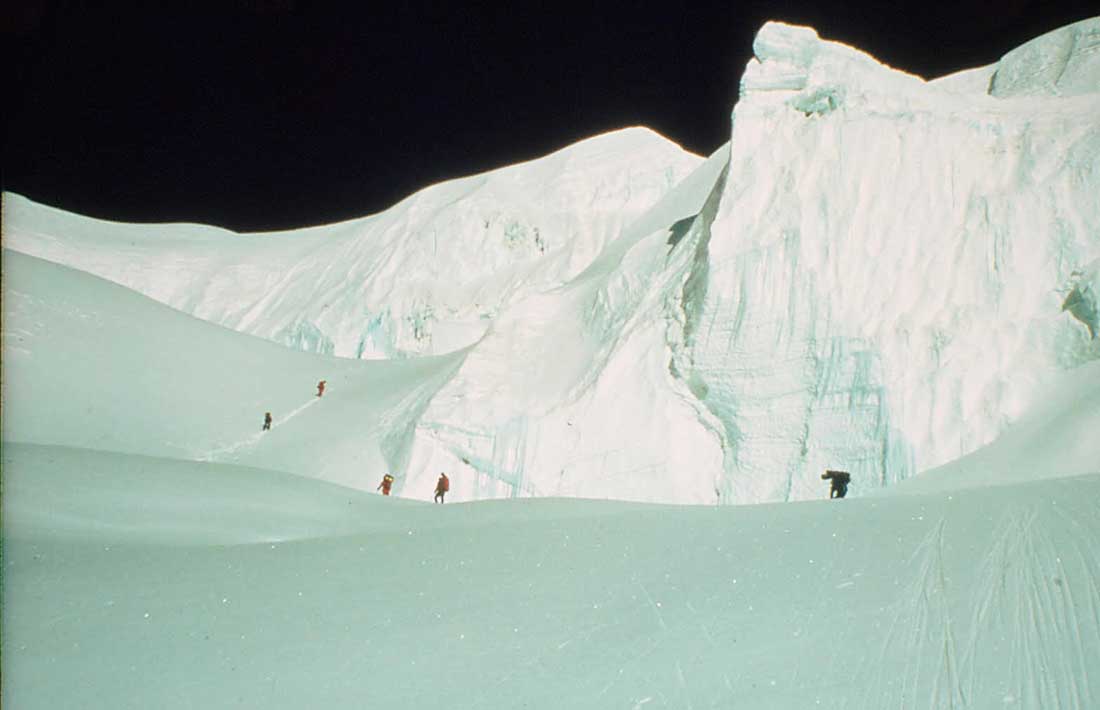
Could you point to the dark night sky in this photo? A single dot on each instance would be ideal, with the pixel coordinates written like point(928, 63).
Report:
point(283, 113)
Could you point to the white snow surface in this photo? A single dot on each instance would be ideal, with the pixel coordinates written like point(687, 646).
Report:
point(877, 273)
point(125, 587)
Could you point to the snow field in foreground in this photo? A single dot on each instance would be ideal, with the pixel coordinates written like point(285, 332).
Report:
point(984, 598)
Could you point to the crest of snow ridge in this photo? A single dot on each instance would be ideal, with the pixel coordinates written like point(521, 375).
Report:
point(820, 74)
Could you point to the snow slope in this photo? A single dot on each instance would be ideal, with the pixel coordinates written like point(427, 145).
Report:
point(986, 598)
point(93, 365)
point(79, 495)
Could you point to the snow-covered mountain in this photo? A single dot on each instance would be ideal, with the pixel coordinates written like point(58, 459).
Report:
point(877, 273)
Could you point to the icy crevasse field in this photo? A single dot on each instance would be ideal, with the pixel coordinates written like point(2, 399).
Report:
point(878, 273)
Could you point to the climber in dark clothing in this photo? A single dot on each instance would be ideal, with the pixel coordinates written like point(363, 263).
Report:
point(840, 482)
point(267, 421)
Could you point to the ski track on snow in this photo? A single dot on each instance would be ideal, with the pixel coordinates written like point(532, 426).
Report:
point(229, 451)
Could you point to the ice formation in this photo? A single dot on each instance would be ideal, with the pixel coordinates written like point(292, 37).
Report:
point(888, 264)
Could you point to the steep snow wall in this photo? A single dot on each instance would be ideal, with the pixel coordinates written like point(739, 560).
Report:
point(571, 392)
point(424, 277)
point(889, 263)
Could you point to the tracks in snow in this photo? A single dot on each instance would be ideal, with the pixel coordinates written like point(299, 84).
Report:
point(1024, 631)
point(228, 451)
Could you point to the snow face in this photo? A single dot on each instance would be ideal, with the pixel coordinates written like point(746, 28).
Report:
point(425, 277)
point(888, 265)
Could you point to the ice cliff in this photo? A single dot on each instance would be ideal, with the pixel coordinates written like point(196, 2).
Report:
point(877, 273)
point(871, 278)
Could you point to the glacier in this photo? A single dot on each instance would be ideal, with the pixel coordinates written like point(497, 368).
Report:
point(895, 276)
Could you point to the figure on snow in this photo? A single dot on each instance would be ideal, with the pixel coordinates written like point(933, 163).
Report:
point(840, 482)
point(320, 388)
point(387, 481)
point(441, 487)
point(267, 421)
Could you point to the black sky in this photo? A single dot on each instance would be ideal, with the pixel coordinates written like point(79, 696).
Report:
point(263, 114)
